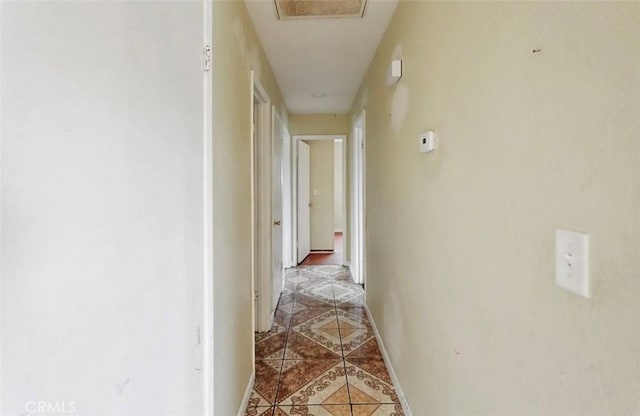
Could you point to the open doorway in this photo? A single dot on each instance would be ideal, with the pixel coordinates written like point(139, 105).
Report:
point(320, 196)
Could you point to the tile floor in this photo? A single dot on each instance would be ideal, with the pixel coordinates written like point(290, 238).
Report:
point(321, 357)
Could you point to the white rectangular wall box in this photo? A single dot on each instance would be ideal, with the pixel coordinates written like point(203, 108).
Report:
point(572, 262)
point(394, 72)
point(428, 141)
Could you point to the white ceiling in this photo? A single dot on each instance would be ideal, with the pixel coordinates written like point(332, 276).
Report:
point(327, 55)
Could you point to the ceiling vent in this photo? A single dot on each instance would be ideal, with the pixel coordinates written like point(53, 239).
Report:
point(317, 9)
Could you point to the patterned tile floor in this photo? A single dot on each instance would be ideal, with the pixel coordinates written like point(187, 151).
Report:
point(321, 357)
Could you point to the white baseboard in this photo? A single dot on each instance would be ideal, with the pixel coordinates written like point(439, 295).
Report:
point(387, 361)
point(245, 400)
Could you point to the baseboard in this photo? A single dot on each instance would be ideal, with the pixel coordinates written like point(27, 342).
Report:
point(245, 400)
point(387, 360)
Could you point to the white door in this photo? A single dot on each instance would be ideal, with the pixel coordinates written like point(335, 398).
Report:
point(304, 202)
point(103, 229)
point(358, 263)
point(263, 217)
point(287, 204)
point(277, 275)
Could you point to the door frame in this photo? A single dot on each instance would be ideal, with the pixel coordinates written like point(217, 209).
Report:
point(208, 256)
point(358, 263)
point(300, 254)
point(288, 238)
point(276, 119)
point(261, 206)
point(294, 187)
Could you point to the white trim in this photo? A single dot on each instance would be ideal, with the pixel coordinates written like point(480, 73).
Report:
point(357, 208)
point(320, 137)
point(1, 196)
point(208, 277)
point(253, 251)
point(287, 203)
point(276, 173)
point(261, 206)
point(258, 90)
point(387, 361)
point(338, 230)
point(247, 394)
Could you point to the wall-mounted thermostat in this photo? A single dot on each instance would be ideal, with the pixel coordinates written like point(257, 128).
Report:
point(428, 141)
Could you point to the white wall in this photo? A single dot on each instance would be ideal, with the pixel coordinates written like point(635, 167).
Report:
point(338, 185)
point(102, 229)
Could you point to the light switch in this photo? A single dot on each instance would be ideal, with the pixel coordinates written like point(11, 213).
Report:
point(316, 192)
point(572, 262)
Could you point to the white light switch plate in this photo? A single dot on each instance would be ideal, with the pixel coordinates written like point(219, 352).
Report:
point(572, 262)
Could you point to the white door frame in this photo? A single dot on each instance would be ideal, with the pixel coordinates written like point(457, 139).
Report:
point(294, 186)
point(208, 278)
point(261, 206)
point(288, 239)
point(358, 264)
point(303, 201)
point(277, 255)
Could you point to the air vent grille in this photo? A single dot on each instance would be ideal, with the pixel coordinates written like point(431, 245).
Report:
point(316, 9)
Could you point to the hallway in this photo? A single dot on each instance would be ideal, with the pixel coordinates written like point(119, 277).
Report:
point(321, 357)
point(482, 159)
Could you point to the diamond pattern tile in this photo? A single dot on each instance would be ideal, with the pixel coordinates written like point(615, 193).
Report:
point(271, 347)
point(377, 410)
point(308, 348)
point(368, 349)
point(305, 314)
point(354, 317)
point(321, 357)
point(259, 411)
point(307, 386)
point(315, 410)
point(369, 388)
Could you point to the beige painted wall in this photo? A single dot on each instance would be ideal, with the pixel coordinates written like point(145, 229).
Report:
point(321, 179)
point(461, 241)
point(310, 124)
point(237, 50)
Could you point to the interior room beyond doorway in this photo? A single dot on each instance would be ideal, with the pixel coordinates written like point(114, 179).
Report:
point(327, 257)
point(321, 191)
